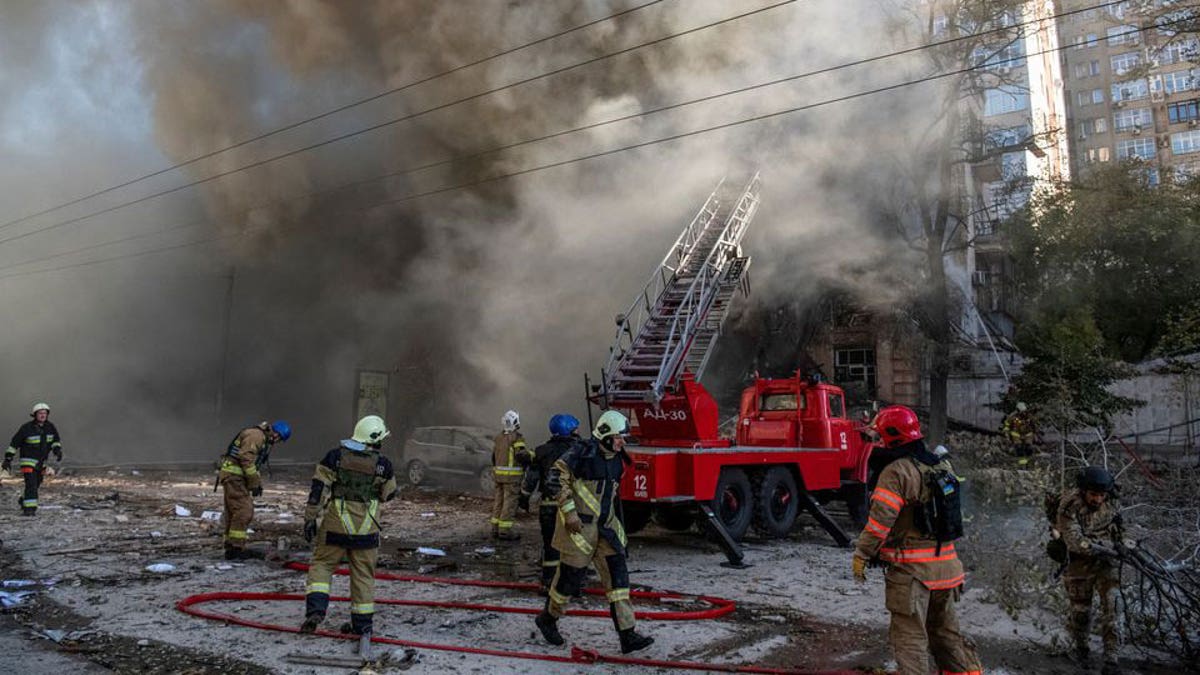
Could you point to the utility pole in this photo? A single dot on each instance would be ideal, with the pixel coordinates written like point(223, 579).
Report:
point(226, 328)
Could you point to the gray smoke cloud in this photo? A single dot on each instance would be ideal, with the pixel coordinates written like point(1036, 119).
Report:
point(477, 300)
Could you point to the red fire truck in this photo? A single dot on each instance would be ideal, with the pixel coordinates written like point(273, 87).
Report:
point(793, 447)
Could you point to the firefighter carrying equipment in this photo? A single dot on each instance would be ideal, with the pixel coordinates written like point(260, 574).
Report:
point(239, 478)
point(897, 425)
point(370, 430)
point(32, 445)
point(349, 484)
point(611, 423)
point(511, 421)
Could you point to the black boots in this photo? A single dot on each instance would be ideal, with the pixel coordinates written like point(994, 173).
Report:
point(549, 627)
point(311, 622)
point(631, 641)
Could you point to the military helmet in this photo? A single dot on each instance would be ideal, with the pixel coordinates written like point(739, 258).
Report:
point(1096, 479)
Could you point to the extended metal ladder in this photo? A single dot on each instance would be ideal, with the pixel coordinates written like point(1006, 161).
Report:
point(673, 324)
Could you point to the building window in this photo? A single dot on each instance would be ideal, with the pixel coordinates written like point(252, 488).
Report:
point(1152, 178)
point(1178, 51)
point(1180, 80)
point(940, 24)
point(854, 370)
point(1081, 129)
point(1101, 125)
point(1119, 10)
point(1092, 40)
point(1004, 99)
point(1077, 42)
point(1123, 63)
point(1185, 141)
point(1083, 98)
point(1081, 70)
point(1005, 137)
point(1135, 148)
point(1129, 120)
point(1097, 96)
point(1122, 35)
point(1185, 111)
point(1130, 91)
point(1094, 66)
point(1102, 154)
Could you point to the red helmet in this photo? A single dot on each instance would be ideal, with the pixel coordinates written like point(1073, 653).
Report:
point(896, 425)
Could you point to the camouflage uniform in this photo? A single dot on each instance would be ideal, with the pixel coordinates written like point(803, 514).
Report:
point(923, 582)
point(1088, 574)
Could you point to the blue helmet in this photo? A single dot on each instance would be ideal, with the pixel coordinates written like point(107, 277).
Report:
point(282, 428)
point(563, 424)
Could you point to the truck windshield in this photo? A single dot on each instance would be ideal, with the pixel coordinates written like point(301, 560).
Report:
point(784, 401)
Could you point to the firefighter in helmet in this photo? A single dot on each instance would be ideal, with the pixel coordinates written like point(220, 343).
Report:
point(1089, 521)
point(35, 441)
point(589, 530)
point(350, 483)
point(1020, 430)
point(510, 456)
point(924, 575)
point(240, 479)
point(541, 478)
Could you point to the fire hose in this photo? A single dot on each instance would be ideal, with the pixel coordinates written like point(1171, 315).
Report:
point(719, 607)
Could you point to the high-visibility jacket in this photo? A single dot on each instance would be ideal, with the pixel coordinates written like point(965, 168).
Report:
point(510, 456)
point(891, 533)
point(590, 485)
point(348, 487)
point(34, 442)
point(1018, 427)
point(241, 457)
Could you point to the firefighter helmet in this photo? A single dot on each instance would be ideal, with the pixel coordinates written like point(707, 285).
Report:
point(1021, 407)
point(897, 425)
point(38, 407)
point(611, 423)
point(511, 421)
point(282, 428)
point(563, 424)
point(1096, 479)
point(370, 430)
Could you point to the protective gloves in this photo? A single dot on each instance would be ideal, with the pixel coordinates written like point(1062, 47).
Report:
point(310, 530)
point(859, 568)
point(57, 453)
point(523, 502)
point(7, 463)
point(256, 491)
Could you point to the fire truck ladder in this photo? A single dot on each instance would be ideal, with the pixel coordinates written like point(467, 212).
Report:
point(673, 324)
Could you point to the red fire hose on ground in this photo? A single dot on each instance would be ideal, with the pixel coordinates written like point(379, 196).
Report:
point(718, 607)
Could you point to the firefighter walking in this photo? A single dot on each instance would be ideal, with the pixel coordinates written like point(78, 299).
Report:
point(240, 479)
point(34, 442)
point(510, 456)
point(1020, 430)
point(589, 531)
point(1089, 521)
point(914, 518)
point(350, 483)
point(540, 478)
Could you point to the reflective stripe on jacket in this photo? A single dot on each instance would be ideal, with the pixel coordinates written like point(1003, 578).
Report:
point(350, 520)
point(510, 456)
point(589, 485)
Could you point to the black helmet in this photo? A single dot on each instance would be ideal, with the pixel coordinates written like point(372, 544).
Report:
point(1096, 479)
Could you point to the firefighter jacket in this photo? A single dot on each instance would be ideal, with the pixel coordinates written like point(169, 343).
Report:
point(1018, 427)
point(1082, 527)
point(892, 534)
point(349, 485)
point(510, 456)
point(34, 442)
point(540, 476)
point(589, 481)
point(244, 455)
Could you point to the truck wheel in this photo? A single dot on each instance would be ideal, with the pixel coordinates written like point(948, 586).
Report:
point(776, 502)
point(636, 517)
point(415, 472)
point(857, 504)
point(675, 518)
point(734, 502)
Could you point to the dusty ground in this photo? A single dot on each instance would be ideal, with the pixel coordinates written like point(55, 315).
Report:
point(98, 609)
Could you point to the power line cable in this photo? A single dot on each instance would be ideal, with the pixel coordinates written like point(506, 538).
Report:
point(565, 132)
point(397, 120)
point(596, 155)
point(329, 113)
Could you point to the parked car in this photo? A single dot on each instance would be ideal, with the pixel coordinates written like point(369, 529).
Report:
point(441, 454)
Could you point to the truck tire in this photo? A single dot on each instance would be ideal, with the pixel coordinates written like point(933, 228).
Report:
point(776, 502)
point(675, 518)
point(733, 502)
point(637, 516)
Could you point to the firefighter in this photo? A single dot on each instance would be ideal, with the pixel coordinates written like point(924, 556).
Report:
point(510, 456)
point(240, 479)
point(924, 575)
point(36, 440)
point(1018, 427)
point(589, 530)
point(1089, 521)
point(540, 478)
point(350, 483)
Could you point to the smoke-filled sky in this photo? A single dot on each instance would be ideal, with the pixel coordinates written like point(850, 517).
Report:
point(476, 300)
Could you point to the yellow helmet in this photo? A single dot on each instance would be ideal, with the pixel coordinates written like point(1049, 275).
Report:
point(611, 423)
point(370, 430)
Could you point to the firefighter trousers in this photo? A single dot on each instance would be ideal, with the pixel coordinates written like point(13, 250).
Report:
point(614, 576)
point(325, 560)
point(547, 518)
point(925, 621)
point(504, 504)
point(33, 482)
point(1082, 584)
point(239, 511)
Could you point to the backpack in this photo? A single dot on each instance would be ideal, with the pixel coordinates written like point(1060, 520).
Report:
point(941, 514)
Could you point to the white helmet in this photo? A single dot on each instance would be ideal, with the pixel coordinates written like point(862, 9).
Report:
point(370, 430)
point(511, 420)
point(611, 423)
point(1021, 407)
point(40, 406)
